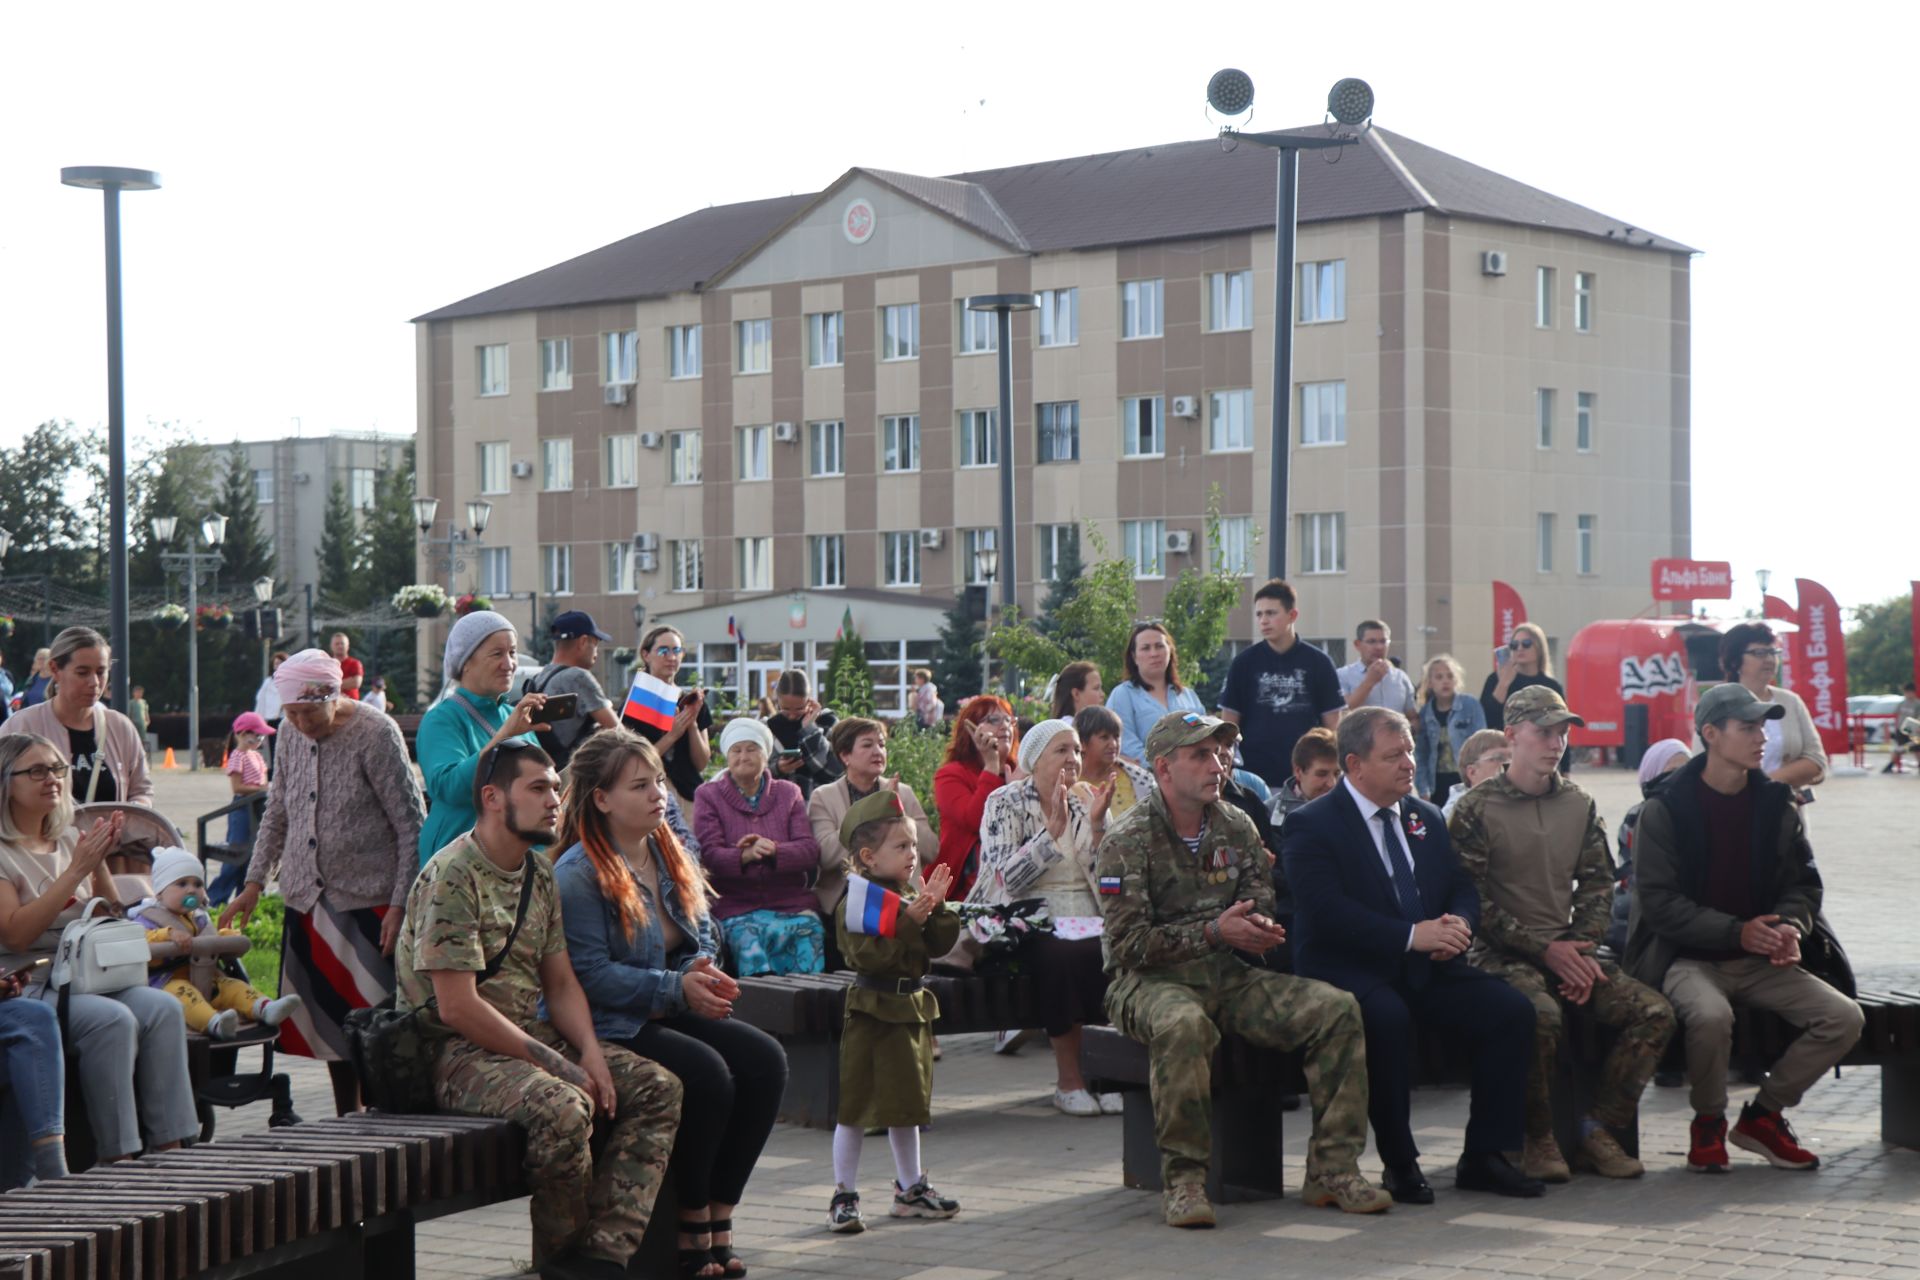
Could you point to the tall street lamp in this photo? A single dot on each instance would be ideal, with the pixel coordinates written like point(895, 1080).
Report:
point(1003, 305)
point(110, 182)
point(263, 596)
point(449, 552)
point(190, 564)
point(1349, 103)
point(986, 565)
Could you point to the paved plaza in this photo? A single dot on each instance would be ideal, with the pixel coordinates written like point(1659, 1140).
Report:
point(1042, 1194)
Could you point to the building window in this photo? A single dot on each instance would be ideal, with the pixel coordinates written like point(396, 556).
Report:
point(827, 560)
point(1229, 300)
point(1236, 546)
point(683, 351)
point(1583, 301)
point(556, 364)
point(826, 338)
point(900, 558)
point(683, 457)
point(1142, 427)
point(622, 357)
point(755, 564)
point(753, 340)
point(1323, 291)
point(496, 571)
point(1323, 542)
point(494, 474)
point(622, 462)
point(1323, 413)
point(689, 574)
point(621, 577)
point(826, 448)
point(1059, 317)
point(979, 437)
point(1543, 297)
point(1059, 543)
point(1583, 421)
point(493, 370)
point(556, 464)
point(1543, 416)
point(556, 570)
point(361, 485)
point(1140, 308)
point(979, 331)
point(1230, 421)
point(972, 542)
point(1059, 427)
point(900, 443)
point(900, 332)
point(1141, 542)
point(756, 453)
point(1544, 537)
point(1583, 539)
point(263, 487)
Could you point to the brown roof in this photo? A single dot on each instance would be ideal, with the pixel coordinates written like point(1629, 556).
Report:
point(1174, 192)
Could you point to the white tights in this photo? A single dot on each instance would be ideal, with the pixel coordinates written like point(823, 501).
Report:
point(904, 1139)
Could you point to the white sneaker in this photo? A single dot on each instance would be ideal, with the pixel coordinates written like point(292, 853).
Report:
point(224, 1025)
point(1009, 1042)
point(1075, 1102)
point(1111, 1104)
point(275, 1012)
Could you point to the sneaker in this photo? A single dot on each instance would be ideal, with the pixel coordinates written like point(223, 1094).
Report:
point(921, 1201)
point(1075, 1102)
point(843, 1215)
point(1009, 1042)
point(275, 1012)
point(1541, 1159)
point(1111, 1104)
point(1600, 1153)
point(1707, 1151)
point(1185, 1204)
point(1767, 1134)
point(224, 1025)
point(1349, 1192)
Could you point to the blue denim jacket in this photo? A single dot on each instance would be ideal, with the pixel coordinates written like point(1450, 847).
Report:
point(627, 982)
point(1465, 720)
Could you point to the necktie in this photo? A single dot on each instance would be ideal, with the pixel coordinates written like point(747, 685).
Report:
point(1403, 882)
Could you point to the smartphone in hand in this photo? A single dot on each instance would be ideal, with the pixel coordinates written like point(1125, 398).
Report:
point(1502, 655)
point(561, 706)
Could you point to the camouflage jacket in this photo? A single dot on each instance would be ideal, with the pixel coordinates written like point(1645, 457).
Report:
point(1156, 896)
point(1541, 864)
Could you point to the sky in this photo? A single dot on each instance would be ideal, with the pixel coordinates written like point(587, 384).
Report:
point(331, 171)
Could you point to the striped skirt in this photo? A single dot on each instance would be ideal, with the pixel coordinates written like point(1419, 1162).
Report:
point(331, 959)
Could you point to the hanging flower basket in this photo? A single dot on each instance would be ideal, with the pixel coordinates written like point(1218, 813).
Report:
point(169, 617)
point(215, 617)
point(421, 599)
point(624, 656)
point(466, 604)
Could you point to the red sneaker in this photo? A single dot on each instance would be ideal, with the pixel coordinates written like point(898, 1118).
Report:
point(1708, 1152)
point(1766, 1133)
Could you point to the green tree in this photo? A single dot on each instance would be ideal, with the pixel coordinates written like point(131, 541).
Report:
point(340, 551)
point(177, 478)
point(1056, 611)
point(1880, 646)
point(1092, 623)
point(248, 549)
point(956, 664)
point(1200, 607)
point(848, 688)
point(38, 481)
point(386, 563)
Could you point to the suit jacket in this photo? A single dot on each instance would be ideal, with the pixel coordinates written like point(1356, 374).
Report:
point(1348, 928)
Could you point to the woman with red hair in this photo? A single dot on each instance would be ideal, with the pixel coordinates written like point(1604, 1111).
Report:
point(642, 942)
point(977, 765)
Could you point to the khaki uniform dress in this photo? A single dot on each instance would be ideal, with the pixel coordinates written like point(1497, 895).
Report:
point(886, 1044)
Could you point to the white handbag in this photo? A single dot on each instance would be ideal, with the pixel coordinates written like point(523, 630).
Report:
point(97, 956)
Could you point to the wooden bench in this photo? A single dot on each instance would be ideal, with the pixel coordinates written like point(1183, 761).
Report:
point(1890, 1040)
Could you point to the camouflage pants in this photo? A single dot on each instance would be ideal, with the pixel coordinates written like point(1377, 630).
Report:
point(1640, 1014)
point(600, 1205)
point(1179, 1015)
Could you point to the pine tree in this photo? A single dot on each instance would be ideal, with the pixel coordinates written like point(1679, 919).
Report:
point(386, 564)
point(848, 688)
point(339, 551)
point(956, 665)
point(248, 550)
point(1056, 612)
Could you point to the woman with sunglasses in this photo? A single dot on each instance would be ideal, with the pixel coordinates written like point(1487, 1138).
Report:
point(977, 765)
point(685, 747)
point(1527, 664)
point(1750, 654)
point(1152, 688)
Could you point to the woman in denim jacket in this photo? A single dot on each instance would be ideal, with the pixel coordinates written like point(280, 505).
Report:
point(1447, 719)
point(642, 942)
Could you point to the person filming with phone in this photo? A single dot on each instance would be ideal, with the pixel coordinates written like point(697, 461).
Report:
point(480, 659)
point(1520, 663)
point(576, 704)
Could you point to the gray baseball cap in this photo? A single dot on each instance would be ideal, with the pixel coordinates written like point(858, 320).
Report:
point(1733, 701)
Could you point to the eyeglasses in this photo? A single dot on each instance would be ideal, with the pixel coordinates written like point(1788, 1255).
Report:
point(1523, 642)
point(41, 772)
point(670, 651)
point(1763, 653)
point(996, 718)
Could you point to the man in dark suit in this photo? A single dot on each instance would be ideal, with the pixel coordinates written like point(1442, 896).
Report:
point(1383, 908)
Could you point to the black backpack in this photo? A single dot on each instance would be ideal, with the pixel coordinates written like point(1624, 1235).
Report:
point(550, 743)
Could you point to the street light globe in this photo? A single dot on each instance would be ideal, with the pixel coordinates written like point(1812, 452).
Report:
point(424, 510)
point(214, 529)
point(163, 527)
point(1350, 101)
point(479, 511)
point(987, 561)
point(263, 589)
point(1230, 92)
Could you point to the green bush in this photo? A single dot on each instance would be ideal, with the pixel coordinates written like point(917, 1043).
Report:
point(264, 930)
point(915, 753)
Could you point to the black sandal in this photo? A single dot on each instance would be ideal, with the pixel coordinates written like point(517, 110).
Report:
point(730, 1262)
point(691, 1262)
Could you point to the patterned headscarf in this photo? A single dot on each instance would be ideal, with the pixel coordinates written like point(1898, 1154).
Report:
point(310, 675)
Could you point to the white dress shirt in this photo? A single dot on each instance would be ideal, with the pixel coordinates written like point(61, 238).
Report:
point(1368, 814)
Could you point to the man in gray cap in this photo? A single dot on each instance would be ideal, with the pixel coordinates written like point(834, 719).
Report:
point(1187, 888)
point(1724, 889)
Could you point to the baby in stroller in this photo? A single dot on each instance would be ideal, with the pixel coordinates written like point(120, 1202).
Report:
point(176, 913)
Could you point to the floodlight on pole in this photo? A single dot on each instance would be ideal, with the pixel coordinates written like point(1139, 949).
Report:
point(1350, 101)
point(1230, 92)
point(424, 510)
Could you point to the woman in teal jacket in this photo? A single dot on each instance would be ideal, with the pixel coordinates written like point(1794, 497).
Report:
point(474, 716)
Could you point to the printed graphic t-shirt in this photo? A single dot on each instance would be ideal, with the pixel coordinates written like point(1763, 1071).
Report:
point(1278, 697)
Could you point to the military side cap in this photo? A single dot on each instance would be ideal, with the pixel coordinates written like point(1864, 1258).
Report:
point(878, 807)
point(1733, 701)
point(1541, 705)
point(1183, 729)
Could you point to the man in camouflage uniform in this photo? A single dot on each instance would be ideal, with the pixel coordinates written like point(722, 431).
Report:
point(1185, 884)
point(1537, 851)
point(479, 983)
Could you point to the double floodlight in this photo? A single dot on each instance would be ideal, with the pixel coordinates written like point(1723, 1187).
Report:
point(1230, 94)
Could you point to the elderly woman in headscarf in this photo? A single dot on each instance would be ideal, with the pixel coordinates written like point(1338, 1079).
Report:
point(1661, 759)
point(761, 856)
point(340, 828)
point(473, 718)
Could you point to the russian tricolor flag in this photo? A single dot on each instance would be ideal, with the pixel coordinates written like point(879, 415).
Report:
point(871, 909)
point(652, 701)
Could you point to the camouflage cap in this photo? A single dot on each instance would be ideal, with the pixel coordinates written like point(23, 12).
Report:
point(1733, 701)
point(1541, 705)
point(878, 807)
point(1183, 729)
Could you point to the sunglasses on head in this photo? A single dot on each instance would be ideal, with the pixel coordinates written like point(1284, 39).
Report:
point(490, 763)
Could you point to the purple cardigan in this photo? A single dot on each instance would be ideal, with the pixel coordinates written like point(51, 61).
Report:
point(783, 883)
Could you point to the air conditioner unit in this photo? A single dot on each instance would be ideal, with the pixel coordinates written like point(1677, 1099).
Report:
point(301, 477)
point(1179, 541)
point(617, 392)
point(646, 562)
point(646, 542)
point(1186, 406)
point(931, 538)
point(522, 468)
point(649, 439)
point(785, 432)
point(1493, 263)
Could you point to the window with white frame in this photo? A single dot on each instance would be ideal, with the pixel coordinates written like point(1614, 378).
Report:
point(753, 346)
point(1543, 537)
point(1140, 308)
point(1323, 542)
point(362, 485)
point(979, 331)
point(622, 462)
point(688, 570)
point(890, 662)
point(979, 437)
point(1323, 291)
point(1141, 544)
point(622, 351)
point(827, 560)
point(1543, 300)
point(1583, 301)
point(900, 442)
point(1230, 421)
point(496, 571)
point(493, 369)
point(622, 576)
point(826, 448)
point(900, 558)
point(1543, 399)
point(683, 351)
point(826, 339)
point(1142, 427)
point(1059, 426)
point(1229, 300)
point(263, 487)
point(495, 475)
point(755, 446)
point(556, 463)
point(683, 457)
point(753, 564)
point(1584, 533)
point(556, 364)
point(1059, 317)
point(556, 570)
point(1059, 546)
point(1236, 546)
point(972, 543)
point(1323, 413)
point(900, 332)
point(1583, 421)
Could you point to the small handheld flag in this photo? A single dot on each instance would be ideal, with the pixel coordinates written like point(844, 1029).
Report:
point(651, 701)
point(871, 909)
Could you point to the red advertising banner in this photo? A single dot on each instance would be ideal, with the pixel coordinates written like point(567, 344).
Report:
point(1823, 671)
point(1509, 611)
point(1692, 580)
point(1792, 660)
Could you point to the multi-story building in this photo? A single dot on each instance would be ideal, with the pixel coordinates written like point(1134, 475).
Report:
point(781, 411)
point(292, 479)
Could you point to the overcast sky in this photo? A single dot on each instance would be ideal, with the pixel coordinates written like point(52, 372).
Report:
point(333, 170)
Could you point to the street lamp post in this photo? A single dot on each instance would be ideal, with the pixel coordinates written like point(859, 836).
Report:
point(986, 565)
point(110, 182)
point(1003, 305)
point(263, 596)
point(191, 563)
point(450, 552)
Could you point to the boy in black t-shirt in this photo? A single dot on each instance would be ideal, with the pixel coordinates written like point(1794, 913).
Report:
point(1278, 688)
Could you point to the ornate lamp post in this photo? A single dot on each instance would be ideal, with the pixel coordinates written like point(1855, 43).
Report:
point(263, 596)
point(986, 565)
point(190, 564)
point(450, 552)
